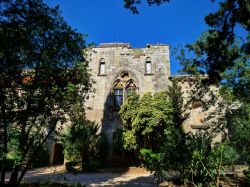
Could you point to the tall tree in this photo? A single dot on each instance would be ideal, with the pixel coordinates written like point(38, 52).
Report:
point(148, 128)
point(42, 65)
point(223, 51)
point(150, 115)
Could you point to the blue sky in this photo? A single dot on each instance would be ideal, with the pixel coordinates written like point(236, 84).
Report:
point(176, 23)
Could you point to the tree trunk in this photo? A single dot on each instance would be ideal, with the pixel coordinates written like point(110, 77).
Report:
point(83, 162)
point(4, 124)
point(14, 176)
point(84, 157)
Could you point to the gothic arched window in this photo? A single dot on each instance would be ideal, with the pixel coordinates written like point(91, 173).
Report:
point(131, 87)
point(148, 66)
point(123, 86)
point(102, 68)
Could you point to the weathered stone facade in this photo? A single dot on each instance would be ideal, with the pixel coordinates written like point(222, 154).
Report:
point(204, 106)
point(117, 65)
point(117, 68)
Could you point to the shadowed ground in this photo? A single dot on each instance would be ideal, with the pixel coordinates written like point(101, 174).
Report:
point(131, 176)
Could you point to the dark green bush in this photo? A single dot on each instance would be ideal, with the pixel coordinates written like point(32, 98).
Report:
point(70, 166)
point(92, 165)
point(10, 164)
point(41, 159)
point(102, 148)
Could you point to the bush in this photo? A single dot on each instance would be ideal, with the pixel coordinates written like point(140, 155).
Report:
point(10, 164)
point(91, 165)
point(80, 140)
point(152, 161)
point(206, 162)
point(41, 159)
point(102, 149)
point(70, 166)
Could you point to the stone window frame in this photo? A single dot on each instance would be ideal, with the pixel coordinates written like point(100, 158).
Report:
point(148, 61)
point(123, 82)
point(119, 88)
point(102, 62)
point(196, 106)
point(128, 87)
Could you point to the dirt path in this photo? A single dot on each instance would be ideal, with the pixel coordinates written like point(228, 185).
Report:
point(132, 176)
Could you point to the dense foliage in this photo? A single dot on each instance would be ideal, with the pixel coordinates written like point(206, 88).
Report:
point(42, 64)
point(223, 53)
point(80, 141)
point(168, 150)
point(150, 115)
point(153, 128)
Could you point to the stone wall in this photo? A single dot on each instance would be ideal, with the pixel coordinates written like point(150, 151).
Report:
point(204, 106)
point(120, 58)
point(122, 64)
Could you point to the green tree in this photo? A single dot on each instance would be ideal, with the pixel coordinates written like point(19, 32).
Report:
point(149, 130)
point(42, 66)
point(206, 162)
point(143, 118)
point(174, 150)
point(80, 141)
point(223, 53)
point(239, 125)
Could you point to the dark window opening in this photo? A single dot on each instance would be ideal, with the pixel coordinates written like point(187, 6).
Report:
point(196, 104)
point(118, 97)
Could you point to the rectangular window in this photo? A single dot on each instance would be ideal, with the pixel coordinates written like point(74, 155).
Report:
point(148, 67)
point(118, 97)
point(102, 69)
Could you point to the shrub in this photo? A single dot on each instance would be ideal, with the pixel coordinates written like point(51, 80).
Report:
point(206, 162)
point(91, 165)
point(42, 158)
point(102, 148)
point(80, 140)
point(70, 166)
point(10, 164)
point(152, 161)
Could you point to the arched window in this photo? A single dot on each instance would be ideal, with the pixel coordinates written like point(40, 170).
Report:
point(102, 69)
point(148, 66)
point(131, 87)
point(123, 86)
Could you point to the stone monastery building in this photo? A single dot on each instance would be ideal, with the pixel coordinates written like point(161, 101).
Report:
point(118, 69)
